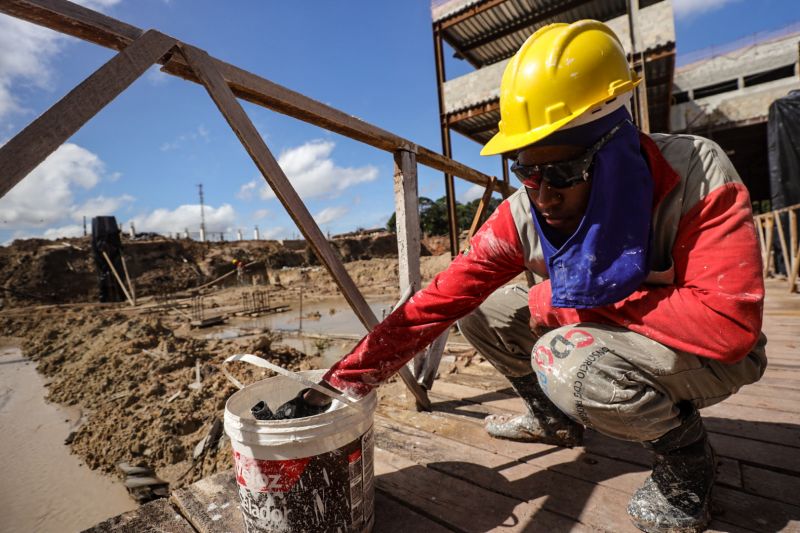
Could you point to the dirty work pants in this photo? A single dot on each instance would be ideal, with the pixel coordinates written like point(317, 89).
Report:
point(607, 378)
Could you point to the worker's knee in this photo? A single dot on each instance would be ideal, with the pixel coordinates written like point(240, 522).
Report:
point(499, 330)
point(581, 370)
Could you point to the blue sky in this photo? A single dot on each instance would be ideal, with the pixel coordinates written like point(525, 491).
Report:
point(143, 155)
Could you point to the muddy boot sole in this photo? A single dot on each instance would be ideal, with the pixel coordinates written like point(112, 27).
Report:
point(525, 428)
point(650, 520)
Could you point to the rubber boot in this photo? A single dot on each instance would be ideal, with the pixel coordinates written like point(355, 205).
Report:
point(676, 498)
point(543, 423)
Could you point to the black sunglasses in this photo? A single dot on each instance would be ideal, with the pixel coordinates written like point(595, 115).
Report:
point(562, 174)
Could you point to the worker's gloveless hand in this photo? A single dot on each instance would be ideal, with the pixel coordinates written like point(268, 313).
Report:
point(308, 402)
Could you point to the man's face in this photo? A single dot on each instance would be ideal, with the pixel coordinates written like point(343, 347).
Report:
point(562, 209)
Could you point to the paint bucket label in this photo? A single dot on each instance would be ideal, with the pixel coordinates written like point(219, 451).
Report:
point(333, 491)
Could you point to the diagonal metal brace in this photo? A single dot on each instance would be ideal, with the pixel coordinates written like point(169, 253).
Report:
point(203, 67)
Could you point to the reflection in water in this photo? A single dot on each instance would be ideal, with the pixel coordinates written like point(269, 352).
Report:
point(44, 487)
point(331, 316)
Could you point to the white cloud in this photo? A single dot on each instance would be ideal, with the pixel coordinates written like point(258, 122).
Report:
point(46, 195)
point(473, 193)
point(98, 5)
point(71, 230)
point(689, 8)
point(278, 232)
point(329, 214)
point(198, 134)
point(261, 213)
point(155, 76)
point(246, 191)
point(26, 53)
point(313, 173)
point(219, 219)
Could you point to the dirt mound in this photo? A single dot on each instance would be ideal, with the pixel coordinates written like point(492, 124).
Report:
point(131, 378)
point(64, 271)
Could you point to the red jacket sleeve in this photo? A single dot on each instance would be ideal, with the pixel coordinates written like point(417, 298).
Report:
point(714, 309)
point(493, 258)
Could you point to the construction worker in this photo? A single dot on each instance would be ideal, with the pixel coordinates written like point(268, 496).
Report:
point(239, 265)
point(651, 304)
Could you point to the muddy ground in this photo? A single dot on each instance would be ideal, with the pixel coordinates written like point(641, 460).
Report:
point(129, 370)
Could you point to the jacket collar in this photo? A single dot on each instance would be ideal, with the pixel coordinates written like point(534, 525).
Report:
point(664, 176)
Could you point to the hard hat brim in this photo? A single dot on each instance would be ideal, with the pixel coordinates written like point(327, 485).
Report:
point(502, 143)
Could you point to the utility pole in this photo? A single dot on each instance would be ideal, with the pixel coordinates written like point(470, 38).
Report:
point(202, 214)
point(84, 226)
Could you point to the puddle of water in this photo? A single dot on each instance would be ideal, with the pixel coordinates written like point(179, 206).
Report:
point(45, 488)
point(335, 316)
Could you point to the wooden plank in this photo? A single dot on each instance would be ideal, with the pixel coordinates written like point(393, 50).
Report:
point(89, 25)
point(592, 505)
point(576, 463)
point(759, 223)
point(211, 504)
point(607, 459)
point(31, 146)
point(119, 281)
point(773, 485)
point(276, 178)
point(768, 248)
point(158, 516)
point(728, 409)
point(392, 516)
point(481, 211)
point(406, 204)
point(782, 408)
point(754, 512)
point(776, 456)
point(779, 440)
point(793, 236)
point(782, 238)
point(462, 506)
point(75, 20)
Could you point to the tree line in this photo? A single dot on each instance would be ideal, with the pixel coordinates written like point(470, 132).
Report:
point(433, 215)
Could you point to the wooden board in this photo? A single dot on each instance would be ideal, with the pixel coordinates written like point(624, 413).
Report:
point(211, 504)
point(158, 516)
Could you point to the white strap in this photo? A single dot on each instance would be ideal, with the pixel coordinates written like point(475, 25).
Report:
point(263, 363)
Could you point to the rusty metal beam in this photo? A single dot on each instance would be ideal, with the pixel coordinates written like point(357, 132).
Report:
point(43, 136)
point(528, 20)
point(469, 13)
point(78, 21)
point(481, 109)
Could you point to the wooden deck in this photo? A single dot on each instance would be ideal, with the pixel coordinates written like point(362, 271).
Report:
point(440, 472)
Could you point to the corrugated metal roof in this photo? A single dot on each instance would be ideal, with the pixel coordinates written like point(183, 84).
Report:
point(481, 127)
point(465, 97)
point(496, 33)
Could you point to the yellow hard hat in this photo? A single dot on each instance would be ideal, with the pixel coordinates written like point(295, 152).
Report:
point(561, 72)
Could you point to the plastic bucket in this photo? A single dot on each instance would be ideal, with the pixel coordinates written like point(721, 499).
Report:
point(306, 474)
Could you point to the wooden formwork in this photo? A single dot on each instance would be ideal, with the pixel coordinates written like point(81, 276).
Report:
point(776, 222)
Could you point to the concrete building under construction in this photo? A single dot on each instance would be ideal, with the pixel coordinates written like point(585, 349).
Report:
point(723, 94)
point(726, 96)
